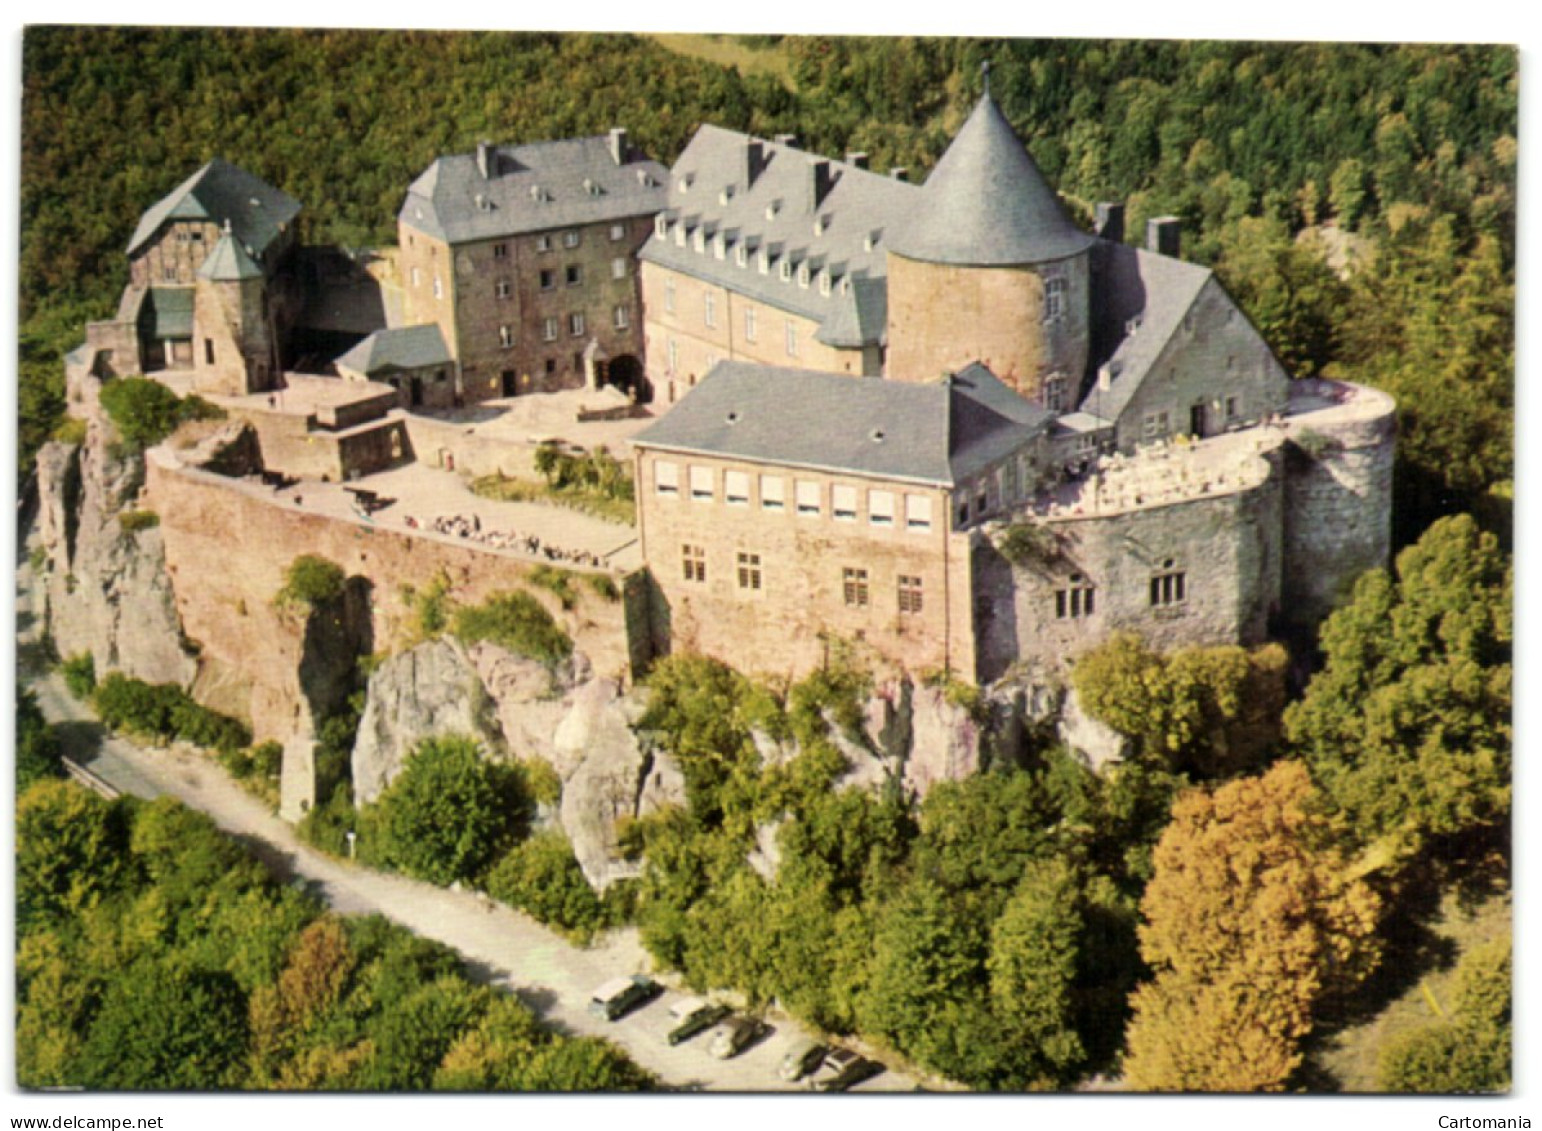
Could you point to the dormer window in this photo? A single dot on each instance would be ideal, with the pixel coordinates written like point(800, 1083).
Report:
point(645, 179)
point(699, 240)
point(726, 195)
point(821, 223)
point(592, 187)
point(1055, 392)
point(803, 275)
point(741, 254)
point(772, 209)
point(719, 246)
point(870, 241)
point(786, 270)
point(685, 182)
point(846, 285)
point(763, 261)
point(680, 234)
point(661, 226)
point(824, 283)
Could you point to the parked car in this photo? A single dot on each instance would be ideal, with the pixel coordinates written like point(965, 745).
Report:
point(800, 1060)
point(735, 1035)
point(691, 1016)
point(842, 1069)
point(619, 996)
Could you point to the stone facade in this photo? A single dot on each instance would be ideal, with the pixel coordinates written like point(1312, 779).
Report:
point(772, 586)
point(694, 323)
point(518, 311)
point(943, 316)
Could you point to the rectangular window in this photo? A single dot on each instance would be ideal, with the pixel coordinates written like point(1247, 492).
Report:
point(1054, 299)
point(506, 336)
point(548, 279)
point(549, 330)
point(621, 318)
point(1055, 393)
point(551, 366)
point(666, 478)
point(576, 323)
point(669, 295)
point(693, 559)
point(918, 512)
point(736, 488)
point(749, 572)
point(617, 232)
point(438, 287)
point(618, 268)
point(1075, 600)
point(792, 338)
point(1169, 586)
point(1154, 426)
point(843, 503)
point(773, 493)
point(749, 323)
point(808, 498)
point(880, 508)
point(505, 288)
point(709, 309)
point(701, 484)
point(575, 275)
point(417, 277)
point(911, 599)
point(543, 243)
point(1233, 409)
point(570, 239)
point(169, 275)
point(674, 355)
point(500, 251)
point(854, 587)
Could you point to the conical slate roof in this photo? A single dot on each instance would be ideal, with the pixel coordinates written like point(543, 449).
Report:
point(987, 205)
point(229, 262)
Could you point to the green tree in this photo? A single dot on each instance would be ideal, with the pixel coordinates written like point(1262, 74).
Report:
point(516, 621)
point(1250, 921)
point(38, 752)
point(70, 850)
point(542, 877)
point(1407, 725)
point(165, 1026)
point(310, 581)
point(1210, 711)
point(448, 815)
point(145, 411)
point(1470, 1051)
point(1034, 949)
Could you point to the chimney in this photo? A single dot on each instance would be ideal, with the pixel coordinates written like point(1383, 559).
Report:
point(900, 173)
point(821, 180)
point(857, 159)
point(487, 160)
point(1109, 222)
point(754, 161)
point(616, 143)
point(789, 140)
point(1163, 235)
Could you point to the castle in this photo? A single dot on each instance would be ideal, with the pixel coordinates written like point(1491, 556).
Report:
point(941, 421)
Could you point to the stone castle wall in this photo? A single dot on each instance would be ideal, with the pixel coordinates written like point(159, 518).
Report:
point(1226, 547)
point(1338, 512)
point(228, 546)
point(942, 317)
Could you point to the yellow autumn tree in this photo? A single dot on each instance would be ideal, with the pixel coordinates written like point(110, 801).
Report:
point(1250, 919)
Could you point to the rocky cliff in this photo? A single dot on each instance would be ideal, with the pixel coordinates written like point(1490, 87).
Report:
point(105, 585)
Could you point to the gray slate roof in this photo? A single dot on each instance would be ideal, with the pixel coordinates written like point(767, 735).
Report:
point(1139, 301)
point(167, 312)
point(229, 262)
point(453, 200)
point(405, 347)
point(713, 189)
point(939, 433)
point(987, 204)
point(221, 192)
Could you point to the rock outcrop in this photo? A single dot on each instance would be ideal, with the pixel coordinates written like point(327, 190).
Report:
point(425, 692)
point(1097, 744)
point(106, 587)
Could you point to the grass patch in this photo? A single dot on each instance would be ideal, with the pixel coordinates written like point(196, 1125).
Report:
point(515, 621)
point(744, 52)
point(71, 430)
point(1351, 1057)
point(588, 500)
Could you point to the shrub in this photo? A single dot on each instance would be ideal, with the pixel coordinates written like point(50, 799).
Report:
point(131, 522)
point(79, 675)
point(542, 878)
point(71, 430)
point(163, 711)
point(311, 580)
point(448, 815)
point(604, 586)
point(1025, 544)
point(145, 412)
point(518, 622)
point(558, 582)
point(37, 746)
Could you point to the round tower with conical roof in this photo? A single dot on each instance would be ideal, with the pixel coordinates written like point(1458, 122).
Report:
point(990, 269)
point(234, 345)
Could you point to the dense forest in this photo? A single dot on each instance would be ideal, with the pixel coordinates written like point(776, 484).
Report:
point(1256, 878)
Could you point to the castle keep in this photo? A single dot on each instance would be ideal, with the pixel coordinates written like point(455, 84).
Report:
point(939, 422)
